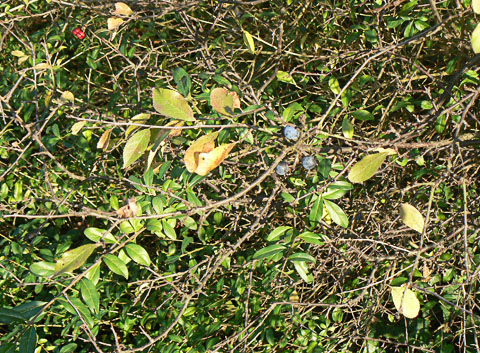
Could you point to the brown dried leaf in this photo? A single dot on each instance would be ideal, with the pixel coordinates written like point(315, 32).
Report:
point(129, 210)
point(104, 139)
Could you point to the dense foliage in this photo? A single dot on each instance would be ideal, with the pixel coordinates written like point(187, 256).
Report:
point(342, 176)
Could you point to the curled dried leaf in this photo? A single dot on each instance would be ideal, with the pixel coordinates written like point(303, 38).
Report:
point(211, 160)
point(122, 9)
point(202, 145)
point(129, 210)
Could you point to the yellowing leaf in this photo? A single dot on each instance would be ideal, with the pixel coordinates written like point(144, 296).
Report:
point(135, 146)
point(248, 40)
point(104, 139)
point(476, 39)
point(202, 156)
point(68, 96)
point(77, 127)
point(412, 217)
point(211, 160)
point(347, 128)
point(406, 302)
point(224, 101)
point(42, 66)
point(122, 9)
point(73, 259)
point(202, 145)
point(137, 119)
point(367, 167)
point(113, 23)
point(172, 104)
point(476, 6)
point(18, 53)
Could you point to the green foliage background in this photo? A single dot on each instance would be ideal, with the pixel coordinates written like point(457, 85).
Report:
point(240, 260)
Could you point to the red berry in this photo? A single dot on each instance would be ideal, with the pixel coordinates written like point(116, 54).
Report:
point(79, 33)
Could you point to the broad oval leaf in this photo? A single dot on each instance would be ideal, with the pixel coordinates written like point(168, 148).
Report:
point(367, 167)
point(116, 265)
point(90, 294)
point(203, 144)
point(210, 160)
point(172, 104)
point(269, 251)
point(135, 146)
point(476, 39)
point(277, 232)
point(73, 259)
point(336, 213)
point(248, 40)
point(43, 268)
point(113, 23)
point(285, 77)
point(138, 254)
point(406, 302)
point(362, 114)
point(122, 9)
point(95, 234)
point(476, 6)
point(224, 101)
point(301, 256)
point(28, 342)
point(77, 127)
point(412, 217)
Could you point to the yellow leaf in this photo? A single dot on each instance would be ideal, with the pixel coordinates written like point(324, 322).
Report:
point(113, 23)
point(68, 96)
point(476, 39)
point(211, 160)
point(203, 145)
point(248, 40)
point(412, 217)
point(42, 66)
point(406, 302)
point(367, 167)
point(77, 127)
point(476, 6)
point(122, 9)
point(224, 101)
point(18, 53)
point(104, 139)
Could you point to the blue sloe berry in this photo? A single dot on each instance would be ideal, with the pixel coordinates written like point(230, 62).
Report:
point(282, 168)
point(308, 162)
point(291, 133)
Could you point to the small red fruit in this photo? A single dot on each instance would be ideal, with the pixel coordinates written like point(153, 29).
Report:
point(79, 33)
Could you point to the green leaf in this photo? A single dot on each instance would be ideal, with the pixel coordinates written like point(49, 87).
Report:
point(69, 348)
point(277, 232)
point(285, 77)
point(168, 230)
point(94, 274)
point(8, 316)
point(336, 213)
point(138, 254)
point(316, 212)
point(172, 104)
point(412, 217)
point(302, 270)
point(337, 190)
point(476, 39)
point(406, 302)
point(248, 40)
point(82, 309)
point(363, 114)
point(73, 259)
point(28, 341)
point(324, 167)
point(135, 146)
point(95, 234)
point(30, 309)
point(116, 265)
point(347, 128)
point(301, 256)
point(311, 238)
point(7, 348)
point(90, 294)
point(183, 81)
point(269, 251)
point(42, 268)
point(367, 167)
point(334, 85)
